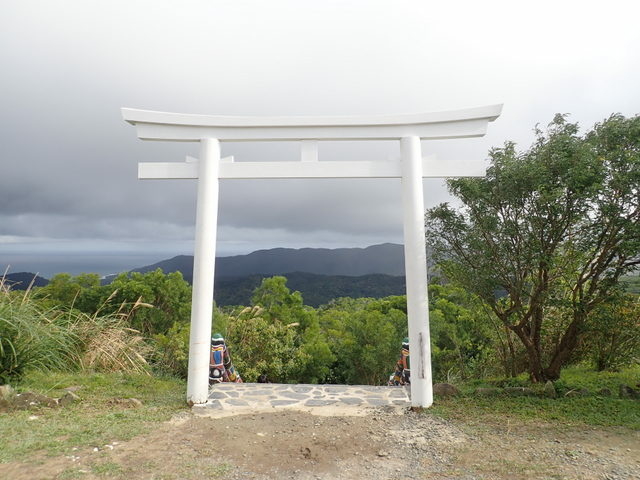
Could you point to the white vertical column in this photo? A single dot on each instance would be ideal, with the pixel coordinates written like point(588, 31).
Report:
point(203, 271)
point(415, 260)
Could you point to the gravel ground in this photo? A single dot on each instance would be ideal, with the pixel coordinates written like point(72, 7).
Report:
point(380, 444)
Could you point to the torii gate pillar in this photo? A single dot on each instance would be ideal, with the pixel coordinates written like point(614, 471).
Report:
point(204, 260)
point(415, 261)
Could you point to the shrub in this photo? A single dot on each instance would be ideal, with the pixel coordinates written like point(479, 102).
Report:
point(34, 337)
point(172, 350)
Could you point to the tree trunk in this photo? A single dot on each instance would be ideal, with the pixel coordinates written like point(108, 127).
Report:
point(536, 371)
point(565, 348)
point(512, 355)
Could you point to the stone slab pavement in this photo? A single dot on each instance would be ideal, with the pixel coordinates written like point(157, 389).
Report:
point(227, 399)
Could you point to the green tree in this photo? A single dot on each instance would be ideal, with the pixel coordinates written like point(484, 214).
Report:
point(365, 336)
point(65, 290)
point(553, 227)
point(281, 306)
point(169, 296)
point(613, 339)
point(462, 340)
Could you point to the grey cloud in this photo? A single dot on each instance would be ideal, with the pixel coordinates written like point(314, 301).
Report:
point(68, 161)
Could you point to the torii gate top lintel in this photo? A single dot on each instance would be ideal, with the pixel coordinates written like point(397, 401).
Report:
point(153, 125)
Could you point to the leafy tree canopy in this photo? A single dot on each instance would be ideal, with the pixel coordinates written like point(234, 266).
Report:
point(553, 227)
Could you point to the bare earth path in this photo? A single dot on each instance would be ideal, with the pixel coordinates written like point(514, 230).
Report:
point(382, 443)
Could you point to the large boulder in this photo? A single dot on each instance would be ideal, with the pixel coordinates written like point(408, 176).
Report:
point(577, 392)
point(550, 390)
point(488, 391)
point(127, 402)
point(24, 401)
point(6, 397)
point(445, 390)
point(67, 399)
point(6, 392)
point(518, 391)
point(628, 392)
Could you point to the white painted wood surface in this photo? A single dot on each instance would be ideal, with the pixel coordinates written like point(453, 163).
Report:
point(471, 122)
point(415, 265)
point(204, 259)
point(210, 130)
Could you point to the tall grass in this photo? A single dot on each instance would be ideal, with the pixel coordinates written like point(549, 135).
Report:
point(33, 337)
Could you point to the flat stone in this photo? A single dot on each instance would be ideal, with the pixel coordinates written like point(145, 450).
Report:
point(302, 388)
point(297, 396)
point(377, 401)
point(313, 402)
point(261, 392)
point(215, 404)
point(237, 402)
point(398, 393)
point(336, 388)
point(216, 395)
point(351, 400)
point(278, 403)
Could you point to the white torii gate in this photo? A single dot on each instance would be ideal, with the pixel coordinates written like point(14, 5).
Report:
point(210, 130)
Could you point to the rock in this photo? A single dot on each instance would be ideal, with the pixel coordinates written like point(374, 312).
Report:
point(383, 453)
point(128, 402)
point(628, 392)
point(73, 388)
point(578, 392)
point(24, 401)
point(487, 391)
point(550, 390)
point(6, 392)
point(5, 405)
point(67, 399)
point(604, 392)
point(445, 390)
point(518, 391)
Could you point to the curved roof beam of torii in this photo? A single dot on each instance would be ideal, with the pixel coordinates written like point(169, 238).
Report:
point(470, 122)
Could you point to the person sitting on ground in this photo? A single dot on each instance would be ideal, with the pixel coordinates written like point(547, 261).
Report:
point(220, 366)
point(402, 374)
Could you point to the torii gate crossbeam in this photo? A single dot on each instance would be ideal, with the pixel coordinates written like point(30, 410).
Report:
point(210, 130)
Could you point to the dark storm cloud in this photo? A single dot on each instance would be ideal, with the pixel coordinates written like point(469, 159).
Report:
point(68, 162)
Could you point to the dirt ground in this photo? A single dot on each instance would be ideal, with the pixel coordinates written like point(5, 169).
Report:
point(379, 445)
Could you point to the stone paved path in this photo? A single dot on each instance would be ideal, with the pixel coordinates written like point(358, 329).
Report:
point(238, 398)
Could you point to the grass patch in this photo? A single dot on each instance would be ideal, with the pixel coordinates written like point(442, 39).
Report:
point(70, 474)
point(94, 421)
point(592, 410)
point(585, 377)
point(106, 469)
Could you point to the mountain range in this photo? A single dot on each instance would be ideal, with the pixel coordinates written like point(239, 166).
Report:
point(386, 258)
point(320, 274)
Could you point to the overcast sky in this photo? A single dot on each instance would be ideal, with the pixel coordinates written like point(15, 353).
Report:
point(69, 195)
